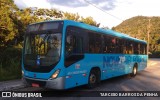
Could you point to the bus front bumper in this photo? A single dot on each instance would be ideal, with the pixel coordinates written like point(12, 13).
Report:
point(58, 83)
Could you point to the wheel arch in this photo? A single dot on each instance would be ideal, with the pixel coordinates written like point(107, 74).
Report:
point(97, 69)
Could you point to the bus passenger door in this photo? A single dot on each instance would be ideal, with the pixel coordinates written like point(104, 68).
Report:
point(74, 55)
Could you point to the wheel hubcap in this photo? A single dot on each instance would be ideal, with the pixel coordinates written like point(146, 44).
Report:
point(92, 78)
point(134, 71)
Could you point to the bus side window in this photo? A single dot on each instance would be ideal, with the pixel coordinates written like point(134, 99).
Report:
point(91, 42)
point(108, 45)
point(79, 45)
point(136, 48)
point(74, 42)
point(70, 43)
point(121, 46)
point(129, 47)
point(143, 48)
point(113, 45)
point(98, 43)
point(139, 49)
point(105, 47)
point(95, 42)
point(124, 46)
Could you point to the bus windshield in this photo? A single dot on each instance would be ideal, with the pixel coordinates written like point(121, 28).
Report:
point(42, 49)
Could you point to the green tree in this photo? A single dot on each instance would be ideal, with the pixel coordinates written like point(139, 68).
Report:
point(8, 29)
point(71, 16)
point(48, 13)
point(14, 21)
point(90, 21)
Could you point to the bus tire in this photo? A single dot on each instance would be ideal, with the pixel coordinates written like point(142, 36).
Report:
point(94, 78)
point(134, 71)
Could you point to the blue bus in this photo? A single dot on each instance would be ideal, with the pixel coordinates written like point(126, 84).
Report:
point(63, 54)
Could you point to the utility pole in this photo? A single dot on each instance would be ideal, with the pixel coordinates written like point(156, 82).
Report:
point(148, 33)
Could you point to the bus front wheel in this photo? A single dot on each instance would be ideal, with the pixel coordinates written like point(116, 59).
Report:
point(93, 79)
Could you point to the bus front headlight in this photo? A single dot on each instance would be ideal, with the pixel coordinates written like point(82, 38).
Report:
point(55, 74)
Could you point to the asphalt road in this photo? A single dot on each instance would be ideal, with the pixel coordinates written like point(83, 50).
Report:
point(146, 80)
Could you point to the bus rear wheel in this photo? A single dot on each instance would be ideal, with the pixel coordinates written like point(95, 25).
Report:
point(93, 79)
point(134, 71)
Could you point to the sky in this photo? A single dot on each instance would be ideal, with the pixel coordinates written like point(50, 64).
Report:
point(112, 13)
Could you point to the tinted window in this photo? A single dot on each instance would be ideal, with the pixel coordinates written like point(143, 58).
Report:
point(129, 47)
point(74, 45)
point(95, 42)
point(110, 44)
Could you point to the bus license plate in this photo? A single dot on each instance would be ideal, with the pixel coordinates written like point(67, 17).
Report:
point(35, 85)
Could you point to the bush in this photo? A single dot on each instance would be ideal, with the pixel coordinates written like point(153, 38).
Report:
point(8, 55)
point(10, 67)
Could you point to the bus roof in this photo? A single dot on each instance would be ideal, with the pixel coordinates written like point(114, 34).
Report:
point(96, 29)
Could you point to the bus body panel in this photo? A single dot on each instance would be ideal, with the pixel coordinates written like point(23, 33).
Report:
point(110, 66)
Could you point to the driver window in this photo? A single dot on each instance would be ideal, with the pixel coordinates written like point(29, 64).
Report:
point(74, 42)
point(70, 44)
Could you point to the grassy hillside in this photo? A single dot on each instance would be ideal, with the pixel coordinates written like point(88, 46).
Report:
point(139, 26)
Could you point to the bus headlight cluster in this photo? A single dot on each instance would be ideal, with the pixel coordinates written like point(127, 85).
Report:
point(55, 74)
